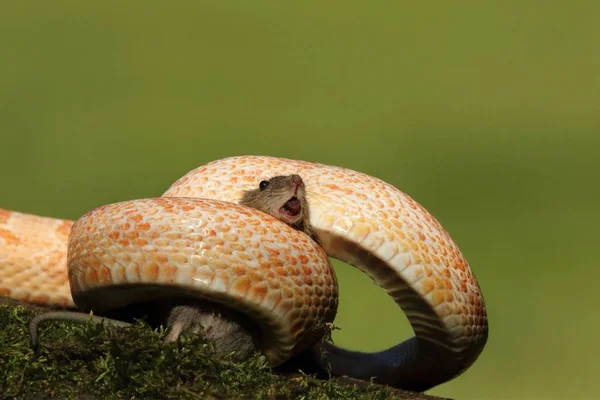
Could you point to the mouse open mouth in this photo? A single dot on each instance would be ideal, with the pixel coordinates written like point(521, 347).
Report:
point(291, 208)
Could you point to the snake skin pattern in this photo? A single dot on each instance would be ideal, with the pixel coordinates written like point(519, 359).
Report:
point(117, 251)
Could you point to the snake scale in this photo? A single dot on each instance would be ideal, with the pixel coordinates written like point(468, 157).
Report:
point(198, 241)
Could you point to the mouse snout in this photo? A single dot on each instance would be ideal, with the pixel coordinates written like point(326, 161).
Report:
point(296, 181)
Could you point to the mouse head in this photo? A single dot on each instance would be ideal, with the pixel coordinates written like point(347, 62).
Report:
point(282, 196)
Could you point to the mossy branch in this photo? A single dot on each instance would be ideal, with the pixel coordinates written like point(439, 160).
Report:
point(88, 360)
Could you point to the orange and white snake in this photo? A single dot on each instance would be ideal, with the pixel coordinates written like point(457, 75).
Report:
point(196, 240)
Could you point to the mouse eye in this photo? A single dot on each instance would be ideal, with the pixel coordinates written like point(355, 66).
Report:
point(263, 185)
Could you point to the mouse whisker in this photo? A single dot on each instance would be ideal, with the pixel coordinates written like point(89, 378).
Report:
point(315, 196)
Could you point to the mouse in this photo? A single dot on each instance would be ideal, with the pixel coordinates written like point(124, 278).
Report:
point(283, 197)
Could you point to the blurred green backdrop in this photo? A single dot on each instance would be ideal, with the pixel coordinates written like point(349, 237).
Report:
point(485, 113)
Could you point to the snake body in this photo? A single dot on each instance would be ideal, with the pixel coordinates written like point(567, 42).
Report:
point(197, 240)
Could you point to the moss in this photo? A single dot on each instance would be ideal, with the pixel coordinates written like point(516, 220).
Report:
point(88, 360)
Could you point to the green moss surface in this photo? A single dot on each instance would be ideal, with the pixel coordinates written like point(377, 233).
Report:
point(91, 361)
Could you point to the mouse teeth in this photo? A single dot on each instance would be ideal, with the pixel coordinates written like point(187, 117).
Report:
point(292, 207)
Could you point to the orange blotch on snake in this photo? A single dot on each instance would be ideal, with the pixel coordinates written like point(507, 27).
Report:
point(164, 228)
point(180, 244)
point(9, 237)
point(287, 292)
point(416, 258)
point(419, 273)
point(239, 224)
point(179, 258)
point(273, 252)
point(143, 227)
point(93, 263)
point(447, 283)
point(233, 216)
point(303, 259)
point(255, 277)
point(140, 242)
point(427, 285)
point(150, 272)
point(64, 228)
point(104, 275)
point(437, 297)
point(92, 276)
point(162, 242)
point(236, 246)
point(131, 235)
point(460, 265)
point(274, 263)
point(241, 285)
point(332, 186)
point(4, 216)
point(188, 207)
point(258, 292)
point(169, 273)
point(159, 257)
point(230, 238)
point(318, 291)
point(243, 255)
point(254, 222)
point(274, 284)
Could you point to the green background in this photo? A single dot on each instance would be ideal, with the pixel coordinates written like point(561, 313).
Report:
point(487, 113)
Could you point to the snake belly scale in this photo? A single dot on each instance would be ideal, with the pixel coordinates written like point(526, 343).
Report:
point(359, 219)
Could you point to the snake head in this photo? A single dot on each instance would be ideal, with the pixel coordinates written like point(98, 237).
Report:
point(283, 197)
